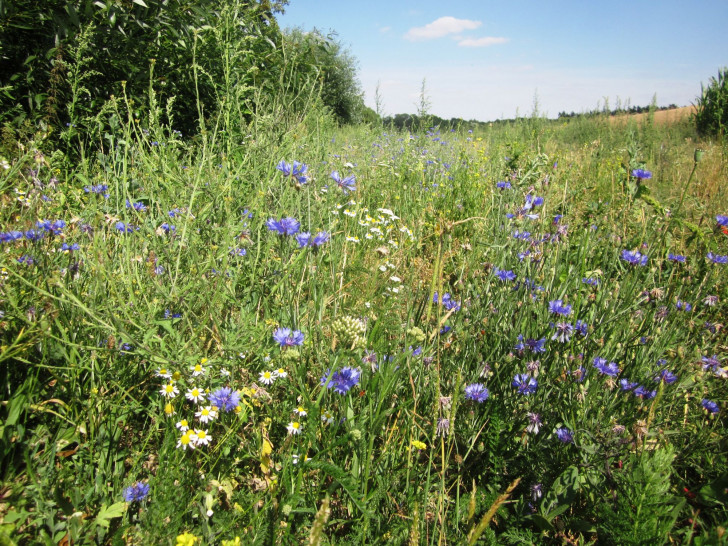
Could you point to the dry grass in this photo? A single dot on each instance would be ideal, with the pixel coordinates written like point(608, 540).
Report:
point(662, 117)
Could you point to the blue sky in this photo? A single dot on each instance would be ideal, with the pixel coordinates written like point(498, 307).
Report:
point(487, 60)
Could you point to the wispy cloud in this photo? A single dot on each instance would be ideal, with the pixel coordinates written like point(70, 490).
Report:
point(441, 27)
point(482, 42)
point(385, 29)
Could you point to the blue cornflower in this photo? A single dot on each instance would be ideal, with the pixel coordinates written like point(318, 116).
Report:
point(722, 220)
point(711, 362)
point(582, 327)
point(225, 398)
point(138, 206)
point(525, 384)
point(320, 238)
point(626, 384)
point(55, 227)
point(303, 239)
point(611, 369)
point(295, 171)
point(286, 226)
point(27, 260)
point(504, 274)
point(503, 185)
point(641, 174)
point(557, 218)
point(710, 406)
point(167, 228)
point(9, 236)
point(642, 392)
point(169, 314)
point(98, 189)
point(346, 184)
point(287, 338)
point(563, 333)
point(523, 235)
point(557, 307)
point(137, 492)
point(565, 435)
point(34, 235)
point(444, 330)
point(683, 305)
point(633, 257)
point(590, 281)
point(717, 259)
point(341, 380)
point(476, 392)
point(676, 258)
point(666, 376)
point(65, 247)
point(447, 301)
point(124, 228)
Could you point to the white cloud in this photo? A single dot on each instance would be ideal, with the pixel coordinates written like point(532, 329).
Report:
point(482, 42)
point(441, 27)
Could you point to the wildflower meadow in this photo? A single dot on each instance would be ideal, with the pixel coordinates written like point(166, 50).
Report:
point(364, 335)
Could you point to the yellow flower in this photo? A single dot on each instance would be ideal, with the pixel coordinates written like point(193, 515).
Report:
point(418, 445)
point(186, 539)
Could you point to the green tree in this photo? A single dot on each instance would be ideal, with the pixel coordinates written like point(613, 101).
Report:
point(325, 60)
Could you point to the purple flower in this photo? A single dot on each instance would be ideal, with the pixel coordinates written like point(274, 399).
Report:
point(565, 435)
point(124, 228)
point(683, 305)
point(341, 380)
point(717, 259)
point(633, 257)
point(287, 338)
point(667, 376)
point(504, 274)
point(225, 398)
point(590, 281)
point(642, 392)
point(476, 392)
point(711, 363)
point(65, 247)
point(611, 369)
point(557, 307)
point(626, 385)
point(346, 184)
point(286, 226)
point(676, 258)
point(525, 384)
point(137, 492)
point(296, 170)
point(303, 239)
point(534, 423)
point(503, 185)
point(641, 174)
point(722, 220)
point(582, 327)
point(710, 406)
point(563, 333)
point(320, 238)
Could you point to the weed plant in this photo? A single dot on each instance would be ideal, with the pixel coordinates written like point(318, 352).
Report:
point(364, 336)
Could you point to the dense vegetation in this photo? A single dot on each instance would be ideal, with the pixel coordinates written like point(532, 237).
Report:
point(282, 327)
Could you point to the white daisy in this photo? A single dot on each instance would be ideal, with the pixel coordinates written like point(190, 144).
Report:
point(206, 414)
point(195, 394)
point(169, 390)
point(201, 437)
point(267, 377)
point(294, 427)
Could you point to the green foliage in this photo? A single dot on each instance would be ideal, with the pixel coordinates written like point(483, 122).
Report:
point(323, 60)
point(644, 511)
point(711, 115)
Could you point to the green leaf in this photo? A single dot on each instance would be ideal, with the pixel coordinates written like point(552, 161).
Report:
point(141, 3)
point(106, 514)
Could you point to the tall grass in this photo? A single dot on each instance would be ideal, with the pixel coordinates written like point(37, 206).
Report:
point(432, 279)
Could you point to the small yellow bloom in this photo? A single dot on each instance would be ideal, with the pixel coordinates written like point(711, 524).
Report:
point(186, 539)
point(418, 445)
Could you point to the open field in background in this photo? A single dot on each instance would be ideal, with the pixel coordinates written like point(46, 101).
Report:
point(360, 335)
point(660, 117)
